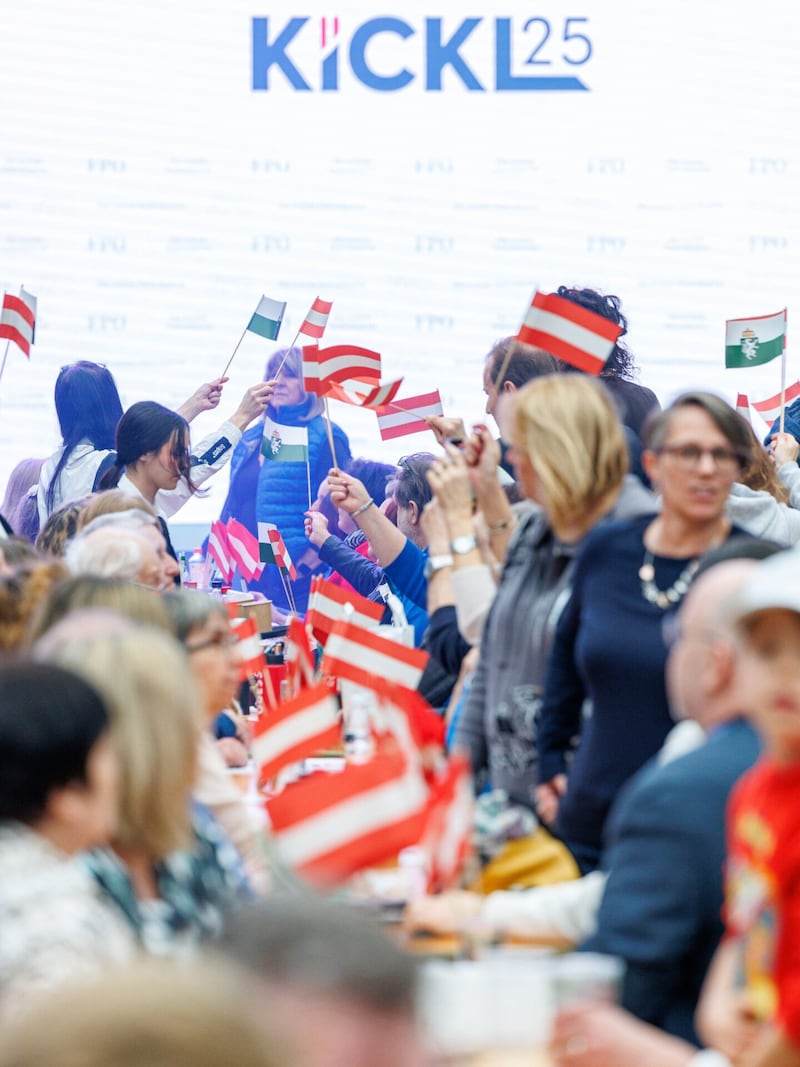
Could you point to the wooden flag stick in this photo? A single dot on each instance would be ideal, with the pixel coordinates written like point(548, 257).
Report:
point(330, 436)
point(286, 356)
point(227, 365)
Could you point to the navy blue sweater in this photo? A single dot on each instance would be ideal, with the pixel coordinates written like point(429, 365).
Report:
point(608, 647)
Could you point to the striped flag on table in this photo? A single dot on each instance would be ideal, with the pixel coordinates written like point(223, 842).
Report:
point(317, 319)
point(569, 331)
point(359, 655)
point(407, 416)
point(249, 651)
point(302, 726)
point(267, 318)
point(447, 837)
point(299, 659)
point(244, 550)
point(328, 603)
point(220, 551)
point(272, 548)
point(284, 444)
point(329, 826)
point(743, 406)
point(751, 342)
point(339, 363)
point(374, 398)
point(770, 408)
point(18, 320)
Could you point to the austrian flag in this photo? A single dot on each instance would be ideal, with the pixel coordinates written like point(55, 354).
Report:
point(297, 728)
point(244, 550)
point(362, 656)
point(18, 320)
point(317, 319)
point(340, 363)
point(273, 549)
point(569, 331)
point(407, 416)
point(328, 603)
point(249, 650)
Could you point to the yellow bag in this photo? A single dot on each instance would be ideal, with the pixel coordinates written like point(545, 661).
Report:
point(539, 859)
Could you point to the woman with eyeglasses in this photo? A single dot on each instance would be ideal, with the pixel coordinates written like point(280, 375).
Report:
point(201, 625)
point(271, 479)
point(608, 646)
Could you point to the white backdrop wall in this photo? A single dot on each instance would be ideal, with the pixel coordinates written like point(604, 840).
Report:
point(149, 193)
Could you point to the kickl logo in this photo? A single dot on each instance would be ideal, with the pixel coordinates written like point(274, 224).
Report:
point(531, 55)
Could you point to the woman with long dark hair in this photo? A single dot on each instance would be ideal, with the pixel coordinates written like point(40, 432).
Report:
point(88, 408)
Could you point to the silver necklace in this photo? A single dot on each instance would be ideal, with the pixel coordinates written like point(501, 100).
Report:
point(664, 598)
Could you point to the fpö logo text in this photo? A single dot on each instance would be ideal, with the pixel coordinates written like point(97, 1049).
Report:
point(388, 54)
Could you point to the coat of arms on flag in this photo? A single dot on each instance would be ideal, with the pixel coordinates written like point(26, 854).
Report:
point(751, 342)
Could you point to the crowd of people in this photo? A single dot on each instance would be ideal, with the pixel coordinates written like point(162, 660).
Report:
point(610, 599)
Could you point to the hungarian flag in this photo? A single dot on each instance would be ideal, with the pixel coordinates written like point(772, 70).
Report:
point(569, 331)
point(220, 551)
point(18, 320)
point(770, 408)
point(249, 650)
point(329, 826)
point(340, 363)
point(303, 726)
point(267, 318)
point(328, 603)
point(299, 659)
point(447, 837)
point(376, 397)
point(407, 416)
point(273, 549)
point(317, 318)
point(743, 406)
point(751, 342)
point(284, 444)
point(359, 655)
point(244, 550)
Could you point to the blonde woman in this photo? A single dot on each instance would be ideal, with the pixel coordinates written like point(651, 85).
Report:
point(170, 869)
point(570, 456)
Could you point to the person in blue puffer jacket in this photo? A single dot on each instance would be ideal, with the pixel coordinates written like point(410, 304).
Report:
point(266, 486)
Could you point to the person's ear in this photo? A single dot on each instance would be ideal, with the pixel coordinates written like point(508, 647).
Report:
point(509, 387)
point(650, 464)
point(413, 512)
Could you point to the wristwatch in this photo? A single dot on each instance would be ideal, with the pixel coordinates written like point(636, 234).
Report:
point(436, 563)
point(462, 545)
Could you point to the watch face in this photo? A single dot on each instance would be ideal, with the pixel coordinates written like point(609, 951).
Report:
point(464, 544)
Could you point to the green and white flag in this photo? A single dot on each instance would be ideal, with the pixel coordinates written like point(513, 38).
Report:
point(751, 342)
point(284, 444)
point(267, 318)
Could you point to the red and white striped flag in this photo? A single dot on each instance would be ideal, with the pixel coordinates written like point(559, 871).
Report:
point(18, 320)
point(249, 650)
point(272, 548)
point(447, 838)
point(569, 332)
point(244, 550)
point(298, 657)
point(770, 408)
point(327, 604)
point(219, 550)
point(303, 726)
point(317, 319)
point(743, 406)
point(339, 363)
point(329, 826)
point(407, 416)
point(375, 398)
point(359, 655)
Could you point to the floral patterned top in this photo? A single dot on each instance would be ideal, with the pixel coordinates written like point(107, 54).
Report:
point(54, 924)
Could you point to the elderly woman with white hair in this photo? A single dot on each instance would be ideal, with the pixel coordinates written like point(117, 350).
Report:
point(125, 544)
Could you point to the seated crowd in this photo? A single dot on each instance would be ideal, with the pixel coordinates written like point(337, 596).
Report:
point(609, 599)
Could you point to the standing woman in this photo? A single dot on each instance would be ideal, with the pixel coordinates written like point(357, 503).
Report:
point(88, 409)
point(570, 457)
point(271, 483)
point(608, 645)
